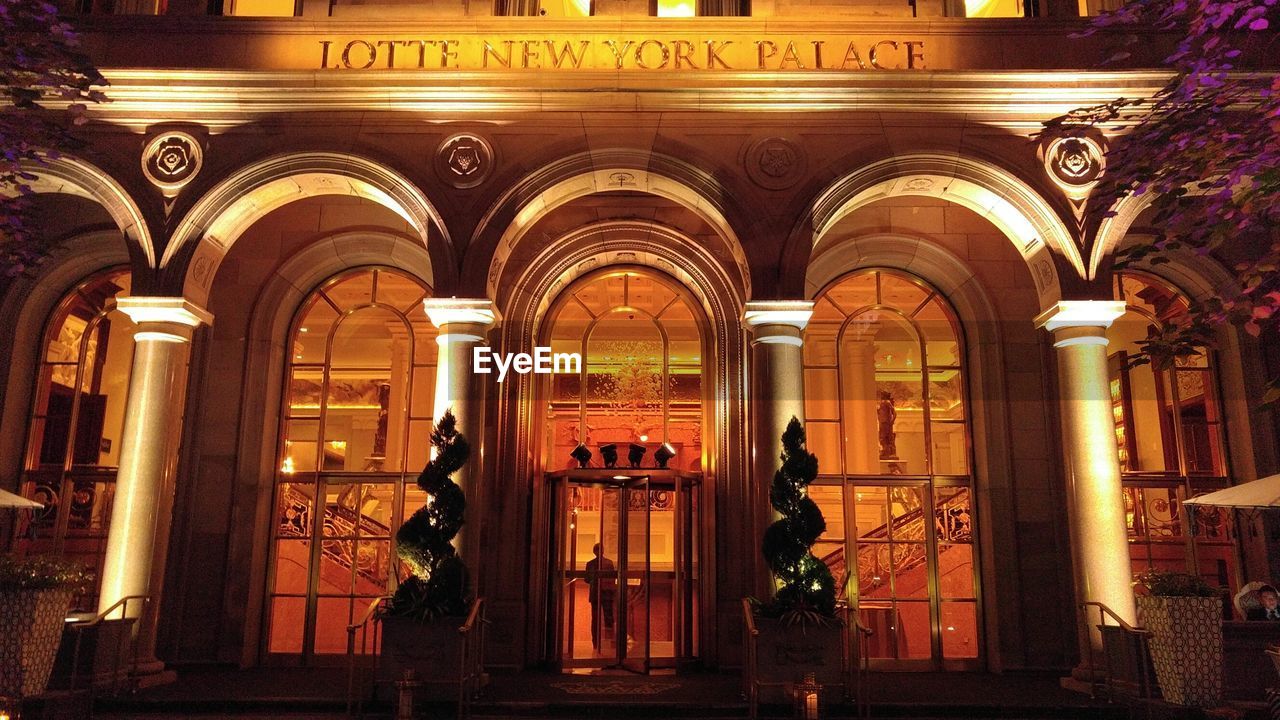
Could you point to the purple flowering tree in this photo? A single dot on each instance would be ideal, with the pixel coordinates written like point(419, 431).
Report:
point(47, 85)
point(1205, 150)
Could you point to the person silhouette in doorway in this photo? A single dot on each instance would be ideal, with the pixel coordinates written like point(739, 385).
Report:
point(602, 584)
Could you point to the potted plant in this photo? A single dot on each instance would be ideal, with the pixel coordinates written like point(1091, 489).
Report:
point(35, 595)
point(798, 635)
point(421, 626)
point(1183, 613)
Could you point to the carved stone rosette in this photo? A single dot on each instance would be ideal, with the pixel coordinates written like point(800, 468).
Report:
point(171, 160)
point(464, 160)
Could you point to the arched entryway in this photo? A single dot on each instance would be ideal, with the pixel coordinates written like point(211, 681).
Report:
point(624, 523)
point(655, 317)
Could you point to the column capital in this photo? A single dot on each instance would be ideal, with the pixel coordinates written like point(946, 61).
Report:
point(164, 318)
point(795, 313)
point(1080, 314)
point(472, 311)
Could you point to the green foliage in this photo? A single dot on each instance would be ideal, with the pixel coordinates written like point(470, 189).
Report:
point(805, 585)
point(438, 583)
point(1162, 583)
point(42, 573)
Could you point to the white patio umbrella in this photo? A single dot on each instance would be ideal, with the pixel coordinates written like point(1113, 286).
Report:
point(1256, 495)
point(9, 500)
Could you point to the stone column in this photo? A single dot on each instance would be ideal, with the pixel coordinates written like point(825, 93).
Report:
point(776, 395)
point(142, 510)
point(463, 324)
point(1095, 503)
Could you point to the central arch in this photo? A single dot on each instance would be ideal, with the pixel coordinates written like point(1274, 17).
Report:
point(527, 299)
point(608, 171)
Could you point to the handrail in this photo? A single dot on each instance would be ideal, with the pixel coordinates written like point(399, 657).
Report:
point(368, 613)
point(1108, 612)
point(1105, 612)
point(471, 660)
point(472, 616)
point(79, 627)
point(371, 614)
point(749, 615)
point(862, 666)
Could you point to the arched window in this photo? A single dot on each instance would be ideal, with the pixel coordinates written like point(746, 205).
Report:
point(886, 414)
point(73, 447)
point(1169, 432)
point(357, 421)
point(641, 351)
point(640, 338)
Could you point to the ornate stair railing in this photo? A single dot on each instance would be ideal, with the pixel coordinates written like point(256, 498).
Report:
point(369, 559)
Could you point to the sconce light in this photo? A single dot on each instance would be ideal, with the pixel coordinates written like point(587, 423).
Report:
point(663, 454)
point(635, 455)
point(582, 454)
point(609, 453)
point(806, 697)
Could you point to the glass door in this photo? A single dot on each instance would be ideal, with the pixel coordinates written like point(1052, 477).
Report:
point(625, 581)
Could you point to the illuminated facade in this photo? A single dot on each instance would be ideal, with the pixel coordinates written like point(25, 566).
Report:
point(297, 219)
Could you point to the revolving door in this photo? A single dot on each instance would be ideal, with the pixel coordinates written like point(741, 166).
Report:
point(625, 568)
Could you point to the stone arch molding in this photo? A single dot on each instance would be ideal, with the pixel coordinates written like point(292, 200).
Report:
point(615, 179)
point(222, 215)
point(72, 176)
point(622, 243)
point(1016, 209)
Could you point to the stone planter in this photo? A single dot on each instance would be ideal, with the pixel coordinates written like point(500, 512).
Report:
point(786, 653)
point(432, 650)
point(1186, 647)
point(30, 628)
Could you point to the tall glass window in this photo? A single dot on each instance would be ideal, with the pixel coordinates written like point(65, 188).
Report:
point(73, 446)
point(886, 414)
point(357, 408)
point(1168, 427)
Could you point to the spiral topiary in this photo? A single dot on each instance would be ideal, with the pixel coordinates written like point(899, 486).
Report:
point(438, 583)
point(804, 582)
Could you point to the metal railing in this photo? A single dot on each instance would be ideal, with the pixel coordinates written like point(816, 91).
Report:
point(79, 628)
point(1135, 641)
point(469, 680)
point(855, 663)
point(368, 626)
point(862, 665)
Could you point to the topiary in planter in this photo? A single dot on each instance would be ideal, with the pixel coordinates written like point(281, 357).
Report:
point(439, 583)
point(804, 584)
point(34, 597)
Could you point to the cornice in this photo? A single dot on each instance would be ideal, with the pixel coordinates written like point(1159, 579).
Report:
point(223, 99)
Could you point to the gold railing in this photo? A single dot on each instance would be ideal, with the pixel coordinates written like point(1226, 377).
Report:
point(905, 556)
point(1125, 653)
point(342, 521)
point(121, 606)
